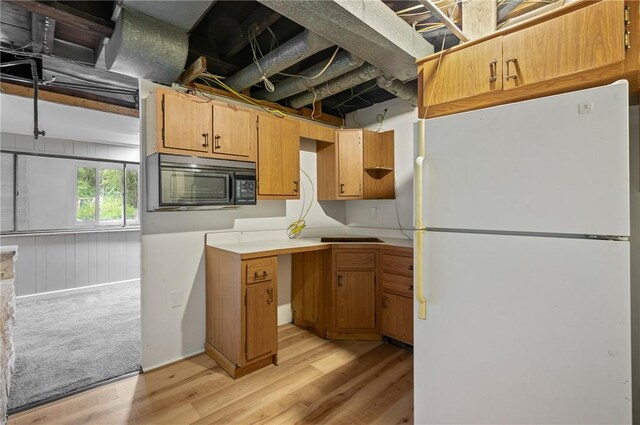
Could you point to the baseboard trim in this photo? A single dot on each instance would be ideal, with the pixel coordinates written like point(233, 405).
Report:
point(63, 292)
point(173, 361)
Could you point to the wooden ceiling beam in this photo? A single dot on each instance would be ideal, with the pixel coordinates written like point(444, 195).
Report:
point(258, 21)
point(65, 99)
point(66, 15)
point(196, 69)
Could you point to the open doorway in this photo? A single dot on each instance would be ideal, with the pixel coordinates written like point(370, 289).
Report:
point(71, 208)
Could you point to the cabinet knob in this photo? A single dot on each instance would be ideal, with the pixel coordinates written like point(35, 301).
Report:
point(385, 302)
point(339, 280)
point(411, 287)
point(410, 267)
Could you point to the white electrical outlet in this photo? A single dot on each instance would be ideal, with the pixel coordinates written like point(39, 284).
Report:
point(585, 108)
point(176, 299)
point(373, 212)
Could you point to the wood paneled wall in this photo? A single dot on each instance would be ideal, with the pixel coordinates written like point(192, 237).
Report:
point(63, 261)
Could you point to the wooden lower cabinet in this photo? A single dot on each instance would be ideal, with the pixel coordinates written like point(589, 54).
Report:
point(241, 311)
point(356, 301)
point(397, 317)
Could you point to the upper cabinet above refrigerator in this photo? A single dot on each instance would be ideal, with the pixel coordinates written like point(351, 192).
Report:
point(552, 165)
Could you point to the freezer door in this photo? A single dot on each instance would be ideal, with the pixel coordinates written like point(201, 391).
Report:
point(523, 330)
point(558, 164)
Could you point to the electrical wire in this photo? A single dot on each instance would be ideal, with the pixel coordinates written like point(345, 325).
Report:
point(319, 73)
point(208, 77)
point(380, 119)
point(295, 229)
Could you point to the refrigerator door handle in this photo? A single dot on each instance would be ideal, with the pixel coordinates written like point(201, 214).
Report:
point(418, 275)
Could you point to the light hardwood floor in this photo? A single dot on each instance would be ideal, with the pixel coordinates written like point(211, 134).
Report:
point(316, 381)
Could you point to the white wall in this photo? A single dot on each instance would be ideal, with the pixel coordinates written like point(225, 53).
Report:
point(634, 118)
point(66, 122)
point(400, 117)
point(173, 260)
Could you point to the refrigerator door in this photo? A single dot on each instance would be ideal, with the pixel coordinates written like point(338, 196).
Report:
point(558, 164)
point(523, 330)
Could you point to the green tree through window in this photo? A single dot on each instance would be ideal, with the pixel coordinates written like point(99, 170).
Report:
point(100, 195)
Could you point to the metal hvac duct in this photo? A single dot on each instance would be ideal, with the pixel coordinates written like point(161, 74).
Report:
point(363, 74)
point(146, 48)
point(342, 63)
point(406, 91)
point(293, 51)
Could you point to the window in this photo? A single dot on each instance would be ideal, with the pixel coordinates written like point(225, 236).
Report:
point(100, 197)
point(55, 193)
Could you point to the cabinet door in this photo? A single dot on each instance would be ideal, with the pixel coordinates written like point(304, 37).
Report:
point(278, 157)
point(232, 130)
point(378, 156)
point(463, 73)
point(350, 164)
point(186, 123)
point(261, 320)
point(397, 317)
point(589, 38)
point(356, 300)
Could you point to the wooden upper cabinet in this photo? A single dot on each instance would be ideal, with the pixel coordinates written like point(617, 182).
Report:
point(349, 163)
point(186, 124)
point(378, 156)
point(587, 39)
point(278, 158)
point(233, 131)
point(463, 73)
point(356, 301)
point(261, 320)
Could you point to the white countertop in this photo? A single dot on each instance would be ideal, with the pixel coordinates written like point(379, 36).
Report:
point(250, 247)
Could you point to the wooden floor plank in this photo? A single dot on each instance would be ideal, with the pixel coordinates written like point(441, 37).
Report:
point(316, 381)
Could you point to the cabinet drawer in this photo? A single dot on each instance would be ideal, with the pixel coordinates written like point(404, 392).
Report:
point(399, 284)
point(261, 269)
point(355, 260)
point(397, 264)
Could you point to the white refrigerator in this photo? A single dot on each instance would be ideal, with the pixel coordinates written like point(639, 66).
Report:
point(522, 261)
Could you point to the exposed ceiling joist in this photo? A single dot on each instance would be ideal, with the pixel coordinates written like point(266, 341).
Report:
point(368, 29)
point(507, 7)
point(258, 21)
point(64, 14)
point(442, 17)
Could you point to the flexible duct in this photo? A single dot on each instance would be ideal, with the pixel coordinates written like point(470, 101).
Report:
point(146, 48)
point(342, 63)
point(407, 91)
point(363, 74)
point(293, 51)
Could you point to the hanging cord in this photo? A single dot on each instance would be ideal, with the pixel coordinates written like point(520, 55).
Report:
point(207, 78)
point(313, 105)
point(295, 229)
point(435, 79)
point(255, 48)
point(319, 73)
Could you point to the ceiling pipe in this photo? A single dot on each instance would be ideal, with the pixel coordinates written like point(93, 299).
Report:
point(361, 75)
point(293, 51)
point(342, 63)
point(406, 91)
point(435, 11)
point(34, 75)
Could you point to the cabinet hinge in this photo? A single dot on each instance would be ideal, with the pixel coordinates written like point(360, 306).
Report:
point(627, 40)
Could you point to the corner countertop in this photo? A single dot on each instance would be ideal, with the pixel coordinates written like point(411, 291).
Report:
point(249, 249)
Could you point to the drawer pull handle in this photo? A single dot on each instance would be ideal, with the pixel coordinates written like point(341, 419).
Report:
point(385, 302)
point(341, 187)
point(206, 140)
point(509, 76)
point(493, 71)
point(264, 274)
point(217, 141)
point(257, 276)
point(269, 295)
point(339, 280)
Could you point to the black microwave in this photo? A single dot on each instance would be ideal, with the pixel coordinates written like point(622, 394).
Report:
point(176, 182)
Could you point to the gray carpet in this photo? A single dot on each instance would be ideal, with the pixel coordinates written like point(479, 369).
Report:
point(72, 341)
